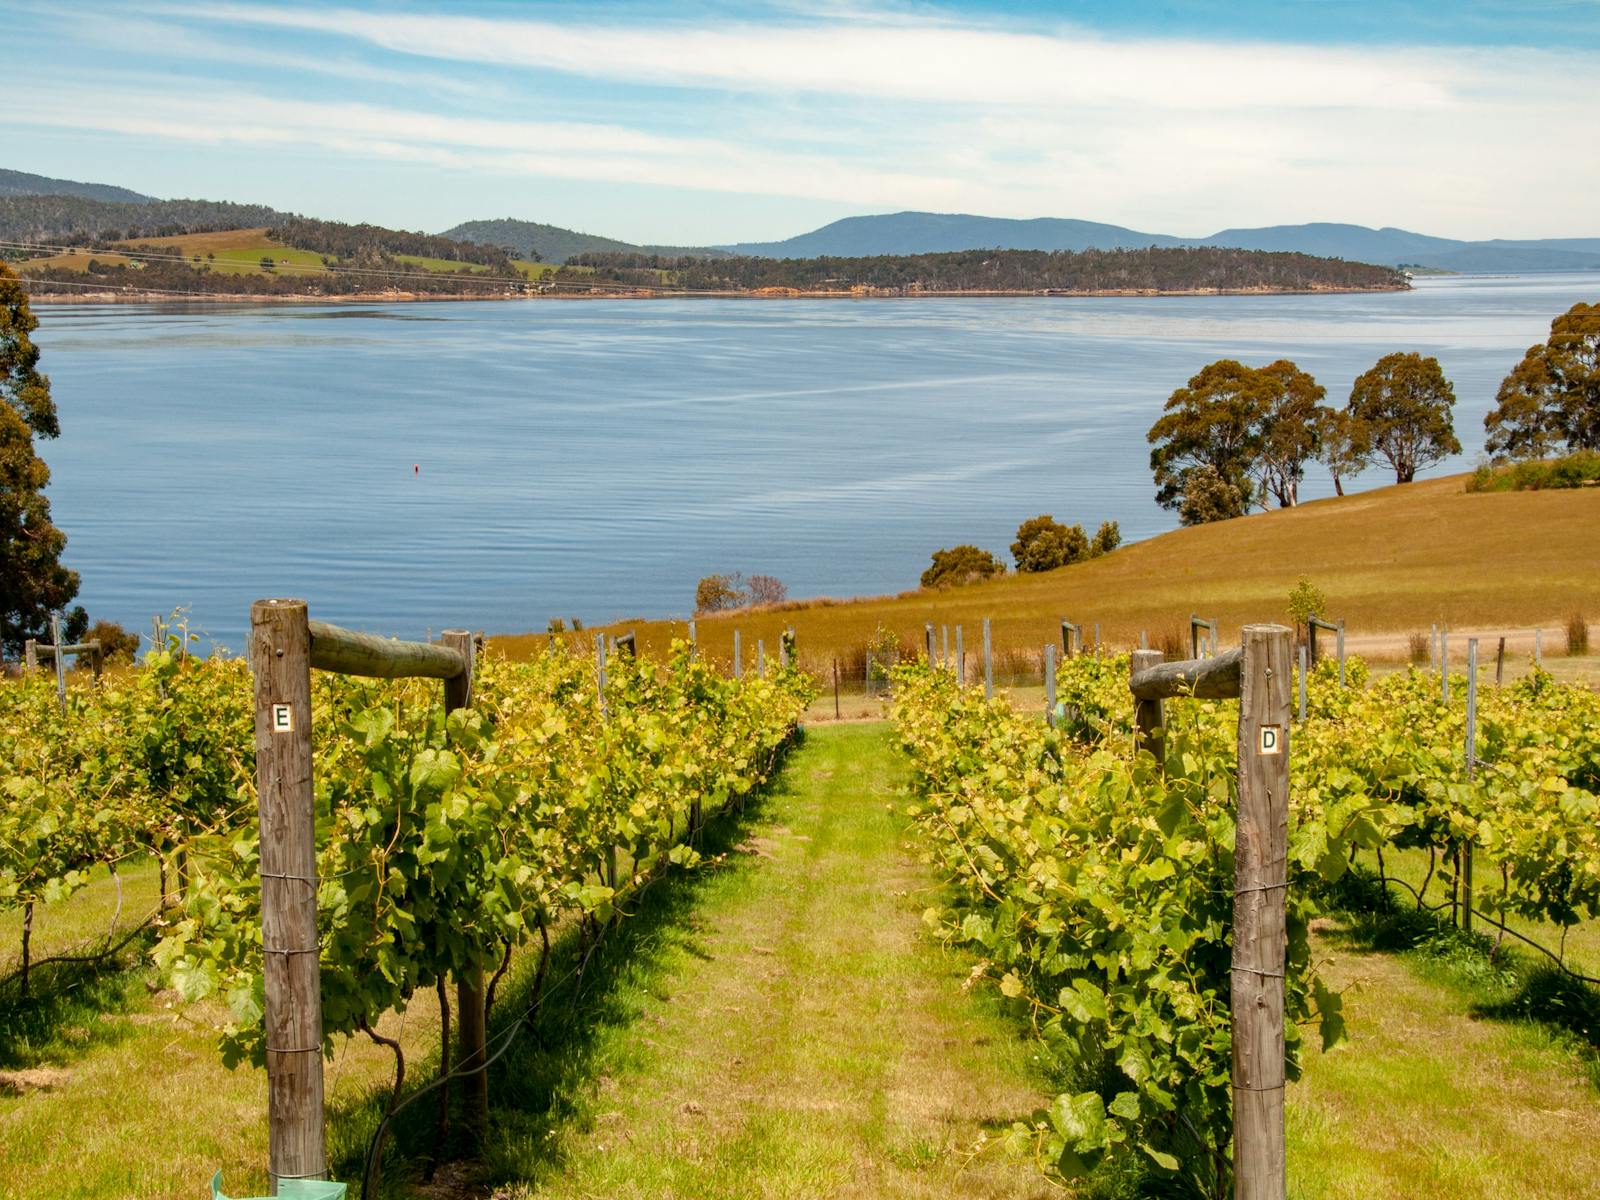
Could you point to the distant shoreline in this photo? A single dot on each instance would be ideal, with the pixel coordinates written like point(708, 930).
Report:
point(399, 297)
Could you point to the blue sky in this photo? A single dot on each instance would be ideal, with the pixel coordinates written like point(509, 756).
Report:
point(706, 122)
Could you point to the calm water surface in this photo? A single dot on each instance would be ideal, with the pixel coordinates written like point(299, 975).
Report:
point(596, 458)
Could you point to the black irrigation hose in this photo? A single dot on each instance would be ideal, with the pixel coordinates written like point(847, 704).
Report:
point(1477, 912)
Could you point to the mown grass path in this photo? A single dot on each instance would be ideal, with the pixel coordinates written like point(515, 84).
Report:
point(807, 1041)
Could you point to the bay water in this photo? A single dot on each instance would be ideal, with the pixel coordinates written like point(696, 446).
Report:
point(413, 467)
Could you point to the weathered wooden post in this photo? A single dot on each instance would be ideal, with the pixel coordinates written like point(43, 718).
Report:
point(470, 995)
point(1500, 664)
point(694, 642)
point(1144, 639)
point(961, 660)
point(988, 662)
point(1472, 763)
point(738, 656)
point(280, 657)
point(1444, 666)
point(761, 658)
point(1050, 684)
point(1260, 942)
point(1433, 646)
point(1097, 637)
point(1259, 674)
point(836, 688)
point(927, 633)
point(600, 671)
point(1340, 645)
point(868, 681)
point(30, 654)
point(1538, 647)
point(1071, 639)
point(1302, 683)
point(944, 647)
point(1149, 716)
point(61, 661)
point(783, 652)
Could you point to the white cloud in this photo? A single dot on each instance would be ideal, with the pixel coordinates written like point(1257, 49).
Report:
point(878, 113)
point(927, 61)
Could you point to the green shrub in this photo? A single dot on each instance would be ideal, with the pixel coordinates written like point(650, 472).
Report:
point(1581, 469)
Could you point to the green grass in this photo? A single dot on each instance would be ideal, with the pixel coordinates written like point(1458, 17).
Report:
point(780, 1028)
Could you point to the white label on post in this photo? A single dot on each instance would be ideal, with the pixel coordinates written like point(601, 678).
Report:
point(1272, 739)
point(283, 718)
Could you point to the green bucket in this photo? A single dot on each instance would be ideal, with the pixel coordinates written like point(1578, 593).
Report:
point(288, 1189)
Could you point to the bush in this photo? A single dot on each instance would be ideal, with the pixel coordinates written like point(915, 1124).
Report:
point(1577, 634)
point(1106, 539)
point(1043, 544)
point(557, 625)
point(117, 645)
point(961, 564)
point(1208, 497)
point(1419, 648)
point(1575, 470)
point(718, 593)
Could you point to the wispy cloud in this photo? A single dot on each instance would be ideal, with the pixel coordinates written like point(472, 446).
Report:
point(858, 109)
point(870, 56)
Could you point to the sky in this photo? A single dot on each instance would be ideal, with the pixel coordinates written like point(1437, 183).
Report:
point(704, 122)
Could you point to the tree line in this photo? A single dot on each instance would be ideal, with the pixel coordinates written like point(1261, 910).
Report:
point(1236, 437)
point(363, 245)
point(1180, 268)
point(77, 221)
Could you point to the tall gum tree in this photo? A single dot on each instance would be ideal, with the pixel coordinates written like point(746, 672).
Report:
point(1404, 404)
point(1551, 399)
point(33, 582)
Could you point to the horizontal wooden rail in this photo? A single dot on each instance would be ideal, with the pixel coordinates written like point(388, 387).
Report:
point(1203, 678)
point(71, 648)
point(350, 653)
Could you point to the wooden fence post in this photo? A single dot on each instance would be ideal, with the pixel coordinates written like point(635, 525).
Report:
point(1144, 639)
point(1050, 684)
point(1149, 716)
point(1261, 850)
point(471, 1014)
point(1500, 664)
point(1097, 637)
point(836, 689)
point(61, 661)
point(1472, 762)
point(961, 660)
point(738, 657)
point(1444, 666)
point(761, 658)
point(1339, 639)
point(1433, 646)
point(988, 663)
point(927, 636)
point(694, 642)
point(600, 671)
point(280, 658)
point(1538, 647)
point(944, 650)
point(1302, 683)
point(1311, 640)
point(30, 654)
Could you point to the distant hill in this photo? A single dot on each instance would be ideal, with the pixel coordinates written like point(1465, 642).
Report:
point(20, 183)
point(63, 218)
point(555, 245)
point(942, 233)
point(934, 233)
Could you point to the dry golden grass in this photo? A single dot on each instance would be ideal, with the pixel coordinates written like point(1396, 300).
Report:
point(1390, 561)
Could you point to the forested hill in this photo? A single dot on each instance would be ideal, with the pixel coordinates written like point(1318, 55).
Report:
point(552, 244)
point(21, 183)
point(75, 219)
point(1155, 269)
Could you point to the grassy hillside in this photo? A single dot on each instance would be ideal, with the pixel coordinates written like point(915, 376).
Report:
point(554, 244)
point(1391, 561)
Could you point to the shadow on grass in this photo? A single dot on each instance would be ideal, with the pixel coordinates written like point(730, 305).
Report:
point(546, 1079)
point(59, 1019)
point(1507, 984)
